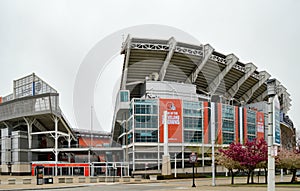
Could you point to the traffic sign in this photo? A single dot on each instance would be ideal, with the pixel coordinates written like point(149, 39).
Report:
point(193, 158)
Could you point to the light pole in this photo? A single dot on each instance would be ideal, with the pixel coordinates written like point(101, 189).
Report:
point(175, 173)
point(273, 100)
point(213, 137)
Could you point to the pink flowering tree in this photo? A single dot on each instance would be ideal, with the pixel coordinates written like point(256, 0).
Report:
point(249, 156)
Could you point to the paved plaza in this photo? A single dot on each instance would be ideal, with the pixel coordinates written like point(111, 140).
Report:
point(223, 184)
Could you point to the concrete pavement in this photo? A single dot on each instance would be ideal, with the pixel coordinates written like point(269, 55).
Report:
point(223, 184)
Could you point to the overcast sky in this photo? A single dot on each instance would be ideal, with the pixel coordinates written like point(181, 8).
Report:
point(52, 38)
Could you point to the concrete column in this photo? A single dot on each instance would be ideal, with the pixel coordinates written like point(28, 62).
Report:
point(29, 136)
point(56, 143)
point(271, 159)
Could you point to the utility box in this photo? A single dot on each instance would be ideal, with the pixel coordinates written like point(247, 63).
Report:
point(48, 180)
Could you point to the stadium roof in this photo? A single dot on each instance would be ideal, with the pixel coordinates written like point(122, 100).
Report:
point(212, 72)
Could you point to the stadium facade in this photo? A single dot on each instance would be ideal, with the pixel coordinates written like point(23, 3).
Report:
point(202, 91)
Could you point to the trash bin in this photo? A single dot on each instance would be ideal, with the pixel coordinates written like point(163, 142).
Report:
point(39, 175)
point(48, 180)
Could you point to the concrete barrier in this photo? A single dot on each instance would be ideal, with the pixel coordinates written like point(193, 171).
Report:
point(101, 178)
point(153, 177)
point(81, 179)
point(11, 181)
point(93, 179)
point(26, 180)
point(125, 179)
point(61, 180)
point(116, 179)
point(69, 180)
point(137, 178)
point(109, 179)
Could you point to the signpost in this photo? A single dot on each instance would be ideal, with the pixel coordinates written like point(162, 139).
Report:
point(193, 159)
point(273, 131)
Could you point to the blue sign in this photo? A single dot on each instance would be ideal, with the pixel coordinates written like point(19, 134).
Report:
point(276, 122)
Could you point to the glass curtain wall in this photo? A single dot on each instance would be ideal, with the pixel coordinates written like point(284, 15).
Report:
point(251, 125)
point(192, 122)
point(146, 120)
point(228, 125)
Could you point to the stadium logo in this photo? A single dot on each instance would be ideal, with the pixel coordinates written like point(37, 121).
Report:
point(171, 106)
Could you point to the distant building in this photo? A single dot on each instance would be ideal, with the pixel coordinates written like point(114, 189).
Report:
point(34, 131)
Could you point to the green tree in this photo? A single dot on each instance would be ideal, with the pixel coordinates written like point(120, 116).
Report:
point(233, 167)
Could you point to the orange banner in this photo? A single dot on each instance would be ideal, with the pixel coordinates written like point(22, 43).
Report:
point(205, 122)
point(260, 125)
point(219, 136)
point(0, 99)
point(174, 118)
point(245, 126)
point(237, 124)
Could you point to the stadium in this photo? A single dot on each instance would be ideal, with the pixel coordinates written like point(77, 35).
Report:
point(203, 92)
point(208, 99)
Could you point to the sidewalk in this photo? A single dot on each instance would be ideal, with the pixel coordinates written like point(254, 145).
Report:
point(201, 183)
point(33, 186)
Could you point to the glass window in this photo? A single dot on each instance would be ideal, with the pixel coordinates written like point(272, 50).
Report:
point(192, 136)
point(124, 96)
point(145, 121)
point(251, 125)
point(192, 109)
point(146, 136)
point(144, 106)
point(130, 124)
point(228, 125)
point(192, 123)
point(129, 138)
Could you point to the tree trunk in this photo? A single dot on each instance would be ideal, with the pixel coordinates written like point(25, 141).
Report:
point(294, 175)
point(258, 176)
point(232, 176)
point(252, 175)
point(266, 175)
point(248, 176)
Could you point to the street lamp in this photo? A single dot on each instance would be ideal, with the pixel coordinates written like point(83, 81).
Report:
point(175, 173)
point(271, 88)
point(213, 137)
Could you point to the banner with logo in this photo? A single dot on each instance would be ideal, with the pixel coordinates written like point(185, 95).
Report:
point(260, 125)
point(174, 119)
point(276, 122)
